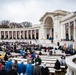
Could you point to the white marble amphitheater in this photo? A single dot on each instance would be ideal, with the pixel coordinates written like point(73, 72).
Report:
point(58, 25)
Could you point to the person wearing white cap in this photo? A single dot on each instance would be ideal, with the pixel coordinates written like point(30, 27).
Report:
point(44, 69)
point(37, 69)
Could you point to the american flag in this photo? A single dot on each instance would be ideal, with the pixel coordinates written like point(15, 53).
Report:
point(68, 25)
point(71, 23)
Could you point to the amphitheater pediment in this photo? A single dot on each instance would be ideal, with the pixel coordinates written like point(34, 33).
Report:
point(54, 13)
point(45, 15)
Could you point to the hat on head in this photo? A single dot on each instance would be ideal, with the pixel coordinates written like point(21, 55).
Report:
point(36, 63)
point(37, 56)
point(44, 64)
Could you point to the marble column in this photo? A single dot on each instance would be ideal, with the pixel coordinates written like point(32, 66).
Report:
point(12, 34)
point(74, 31)
point(27, 34)
point(64, 32)
point(50, 33)
point(69, 33)
point(23, 34)
point(20, 35)
point(35, 33)
point(31, 33)
point(8, 35)
point(16, 34)
point(45, 34)
point(4, 35)
point(0, 34)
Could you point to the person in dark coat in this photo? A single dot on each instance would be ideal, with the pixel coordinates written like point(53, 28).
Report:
point(3, 71)
point(21, 68)
point(44, 70)
point(40, 53)
point(33, 55)
point(58, 44)
point(0, 48)
point(5, 57)
point(15, 64)
point(0, 66)
point(29, 68)
point(38, 59)
point(36, 69)
point(50, 52)
point(57, 65)
point(8, 64)
point(22, 52)
point(12, 71)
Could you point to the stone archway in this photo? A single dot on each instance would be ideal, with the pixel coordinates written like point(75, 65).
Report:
point(48, 25)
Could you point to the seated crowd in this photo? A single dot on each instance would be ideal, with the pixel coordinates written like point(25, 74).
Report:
point(33, 66)
point(8, 67)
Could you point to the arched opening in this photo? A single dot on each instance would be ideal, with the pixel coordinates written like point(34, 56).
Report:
point(48, 25)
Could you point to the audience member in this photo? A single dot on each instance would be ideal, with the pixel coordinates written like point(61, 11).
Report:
point(57, 65)
point(29, 68)
point(12, 71)
point(3, 71)
point(21, 68)
point(8, 64)
point(44, 70)
point(37, 69)
point(38, 60)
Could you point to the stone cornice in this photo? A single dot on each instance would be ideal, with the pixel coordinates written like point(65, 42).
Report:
point(55, 13)
point(67, 18)
point(28, 28)
point(41, 19)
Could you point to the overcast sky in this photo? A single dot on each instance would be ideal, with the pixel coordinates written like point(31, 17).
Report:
point(32, 10)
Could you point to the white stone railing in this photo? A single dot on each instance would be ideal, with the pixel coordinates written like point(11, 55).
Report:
point(71, 70)
point(19, 40)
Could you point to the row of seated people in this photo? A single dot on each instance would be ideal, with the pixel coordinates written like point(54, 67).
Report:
point(69, 49)
point(26, 47)
point(15, 68)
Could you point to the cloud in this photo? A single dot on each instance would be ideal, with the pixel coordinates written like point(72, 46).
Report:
point(32, 10)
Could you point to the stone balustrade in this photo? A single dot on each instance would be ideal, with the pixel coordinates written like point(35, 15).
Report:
point(71, 70)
